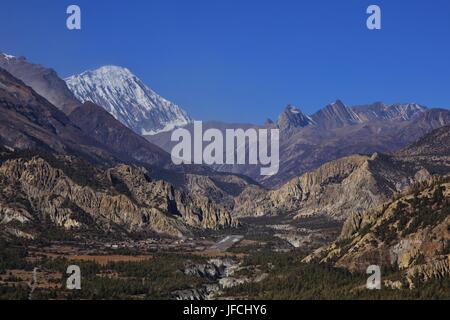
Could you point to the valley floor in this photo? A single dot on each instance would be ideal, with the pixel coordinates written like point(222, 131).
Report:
point(263, 262)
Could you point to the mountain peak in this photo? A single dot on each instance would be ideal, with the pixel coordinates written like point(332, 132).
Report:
point(7, 56)
point(292, 117)
point(338, 102)
point(110, 70)
point(335, 115)
point(337, 105)
point(128, 99)
point(292, 109)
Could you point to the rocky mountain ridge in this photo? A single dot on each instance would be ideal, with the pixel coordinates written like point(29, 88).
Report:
point(366, 182)
point(410, 233)
point(334, 132)
point(70, 194)
point(44, 81)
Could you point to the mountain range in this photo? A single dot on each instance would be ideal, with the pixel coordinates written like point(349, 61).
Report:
point(338, 150)
point(55, 166)
point(306, 142)
point(77, 159)
point(336, 131)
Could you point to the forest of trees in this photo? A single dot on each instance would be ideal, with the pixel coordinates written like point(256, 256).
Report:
point(292, 280)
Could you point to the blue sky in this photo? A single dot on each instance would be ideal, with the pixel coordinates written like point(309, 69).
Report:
point(245, 60)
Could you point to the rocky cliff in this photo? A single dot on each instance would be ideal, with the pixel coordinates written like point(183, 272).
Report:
point(410, 233)
point(71, 194)
point(338, 188)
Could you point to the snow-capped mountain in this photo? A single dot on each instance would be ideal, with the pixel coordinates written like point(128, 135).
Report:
point(129, 100)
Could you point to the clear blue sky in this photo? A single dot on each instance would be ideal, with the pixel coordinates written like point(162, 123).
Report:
point(244, 60)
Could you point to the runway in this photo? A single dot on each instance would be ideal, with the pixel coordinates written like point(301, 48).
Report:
point(226, 243)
